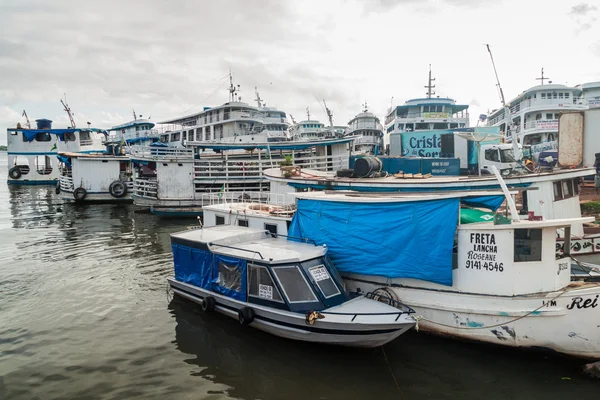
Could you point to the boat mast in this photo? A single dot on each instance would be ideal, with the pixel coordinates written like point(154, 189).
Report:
point(233, 91)
point(134, 116)
point(542, 78)
point(308, 113)
point(27, 119)
point(68, 110)
point(507, 118)
point(430, 86)
point(258, 100)
point(365, 107)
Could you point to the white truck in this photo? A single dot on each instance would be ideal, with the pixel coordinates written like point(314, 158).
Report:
point(502, 156)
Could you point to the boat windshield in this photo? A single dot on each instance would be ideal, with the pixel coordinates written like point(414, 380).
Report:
point(320, 271)
point(294, 284)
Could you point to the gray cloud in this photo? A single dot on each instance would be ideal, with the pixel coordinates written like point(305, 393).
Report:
point(582, 9)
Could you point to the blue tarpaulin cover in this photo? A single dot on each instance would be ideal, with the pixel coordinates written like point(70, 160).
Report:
point(65, 160)
point(394, 240)
point(489, 202)
point(193, 266)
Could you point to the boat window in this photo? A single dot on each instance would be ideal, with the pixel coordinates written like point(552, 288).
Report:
point(528, 245)
point(243, 222)
point(69, 137)
point(549, 116)
point(271, 228)
point(567, 188)
point(543, 95)
point(84, 136)
point(557, 191)
point(220, 220)
point(261, 284)
point(576, 186)
point(324, 281)
point(230, 277)
point(43, 137)
point(294, 285)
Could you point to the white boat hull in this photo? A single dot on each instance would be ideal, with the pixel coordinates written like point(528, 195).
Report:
point(333, 329)
point(567, 322)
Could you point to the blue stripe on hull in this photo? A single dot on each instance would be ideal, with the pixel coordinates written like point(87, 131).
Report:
point(20, 182)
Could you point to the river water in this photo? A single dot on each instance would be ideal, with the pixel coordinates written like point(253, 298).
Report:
point(85, 313)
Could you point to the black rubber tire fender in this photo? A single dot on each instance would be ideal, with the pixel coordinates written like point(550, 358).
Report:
point(79, 194)
point(246, 315)
point(14, 173)
point(117, 189)
point(208, 304)
point(57, 189)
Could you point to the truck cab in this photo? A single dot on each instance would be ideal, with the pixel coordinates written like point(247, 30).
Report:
point(502, 156)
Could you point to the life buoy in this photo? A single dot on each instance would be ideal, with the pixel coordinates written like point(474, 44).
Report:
point(57, 189)
point(208, 304)
point(14, 173)
point(79, 194)
point(246, 315)
point(117, 189)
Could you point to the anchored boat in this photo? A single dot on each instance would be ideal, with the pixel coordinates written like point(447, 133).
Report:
point(103, 176)
point(499, 281)
point(283, 287)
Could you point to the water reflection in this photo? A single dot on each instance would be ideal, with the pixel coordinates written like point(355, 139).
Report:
point(256, 365)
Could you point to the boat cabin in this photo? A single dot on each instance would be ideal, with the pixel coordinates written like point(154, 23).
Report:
point(256, 266)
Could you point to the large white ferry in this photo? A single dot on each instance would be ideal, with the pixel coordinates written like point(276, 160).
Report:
point(311, 129)
point(417, 124)
point(369, 131)
point(535, 114)
point(232, 122)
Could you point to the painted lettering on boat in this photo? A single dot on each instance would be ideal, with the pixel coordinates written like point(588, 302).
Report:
point(483, 254)
point(580, 303)
point(562, 267)
point(551, 303)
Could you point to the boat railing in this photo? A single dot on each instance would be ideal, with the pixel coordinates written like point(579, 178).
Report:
point(161, 153)
point(237, 248)
point(304, 240)
point(83, 142)
point(145, 187)
point(66, 183)
point(261, 198)
point(253, 168)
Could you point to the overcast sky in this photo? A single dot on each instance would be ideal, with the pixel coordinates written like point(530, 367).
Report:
point(170, 58)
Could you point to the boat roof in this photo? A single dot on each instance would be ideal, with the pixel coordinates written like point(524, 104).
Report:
point(249, 244)
point(314, 177)
point(526, 224)
point(180, 120)
point(291, 145)
point(372, 197)
point(98, 154)
point(132, 123)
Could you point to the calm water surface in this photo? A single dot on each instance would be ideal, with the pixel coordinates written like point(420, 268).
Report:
point(85, 313)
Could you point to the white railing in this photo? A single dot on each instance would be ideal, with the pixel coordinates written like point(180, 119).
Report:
point(161, 153)
point(434, 115)
point(147, 188)
point(227, 197)
point(246, 169)
point(547, 103)
point(83, 142)
point(66, 183)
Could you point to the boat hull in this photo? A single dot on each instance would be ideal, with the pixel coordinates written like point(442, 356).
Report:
point(96, 197)
point(566, 322)
point(293, 325)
